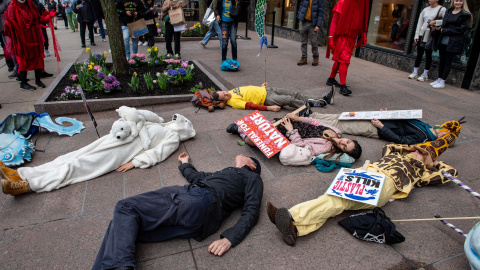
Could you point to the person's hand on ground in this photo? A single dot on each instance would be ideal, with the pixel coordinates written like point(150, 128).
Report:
point(274, 108)
point(265, 84)
point(377, 123)
point(287, 124)
point(125, 167)
point(183, 158)
point(294, 117)
point(219, 247)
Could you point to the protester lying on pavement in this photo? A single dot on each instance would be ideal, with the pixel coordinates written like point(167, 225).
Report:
point(191, 211)
point(266, 98)
point(117, 150)
point(404, 166)
point(396, 131)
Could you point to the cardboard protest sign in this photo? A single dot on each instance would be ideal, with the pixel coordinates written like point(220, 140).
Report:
point(357, 185)
point(265, 136)
point(369, 115)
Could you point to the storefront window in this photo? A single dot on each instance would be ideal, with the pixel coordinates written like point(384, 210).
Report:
point(287, 7)
point(389, 21)
point(274, 5)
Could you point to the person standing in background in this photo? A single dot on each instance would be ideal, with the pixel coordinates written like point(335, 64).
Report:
point(214, 28)
point(52, 6)
point(227, 15)
point(71, 16)
point(169, 30)
point(311, 16)
point(61, 11)
point(150, 16)
point(97, 6)
point(86, 18)
point(129, 11)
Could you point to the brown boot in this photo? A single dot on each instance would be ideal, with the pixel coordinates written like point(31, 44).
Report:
point(15, 188)
point(315, 61)
point(285, 225)
point(9, 174)
point(302, 61)
point(271, 212)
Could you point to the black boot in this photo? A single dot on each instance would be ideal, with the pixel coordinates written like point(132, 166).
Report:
point(14, 74)
point(10, 64)
point(232, 128)
point(344, 90)
point(40, 84)
point(38, 76)
point(332, 81)
point(23, 84)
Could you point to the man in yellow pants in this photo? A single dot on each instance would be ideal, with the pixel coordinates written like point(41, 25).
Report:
point(404, 167)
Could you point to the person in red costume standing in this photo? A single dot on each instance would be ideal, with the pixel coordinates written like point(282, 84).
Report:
point(349, 21)
point(23, 27)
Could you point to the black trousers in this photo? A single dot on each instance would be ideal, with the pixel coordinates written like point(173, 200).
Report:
point(169, 33)
point(428, 56)
point(170, 212)
point(90, 31)
point(64, 16)
point(446, 60)
point(45, 36)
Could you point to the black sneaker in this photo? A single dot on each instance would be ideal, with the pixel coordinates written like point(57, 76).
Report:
point(332, 81)
point(27, 86)
point(93, 44)
point(45, 75)
point(344, 90)
point(40, 84)
point(305, 112)
point(83, 46)
point(316, 102)
point(328, 97)
point(13, 75)
point(232, 128)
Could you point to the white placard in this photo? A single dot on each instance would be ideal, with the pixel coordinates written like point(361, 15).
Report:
point(179, 28)
point(357, 185)
point(368, 115)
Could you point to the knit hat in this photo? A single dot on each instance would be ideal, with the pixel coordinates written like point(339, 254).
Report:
point(438, 146)
point(257, 165)
point(293, 155)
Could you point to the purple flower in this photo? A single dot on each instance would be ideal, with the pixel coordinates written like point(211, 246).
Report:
point(156, 62)
point(182, 71)
point(100, 75)
point(116, 83)
point(109, 79)
point(98, 56)
point(86, 61)
point(172, 72)
point(200, 83)
point(107, 86)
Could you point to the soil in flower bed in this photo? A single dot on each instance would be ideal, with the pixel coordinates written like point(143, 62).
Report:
point(126, 91)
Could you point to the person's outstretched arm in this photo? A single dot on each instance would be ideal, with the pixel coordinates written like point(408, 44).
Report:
point(189, 171)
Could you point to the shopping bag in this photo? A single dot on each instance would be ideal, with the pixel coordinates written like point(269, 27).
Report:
point(137, 28)
point(209, 17)
point(176, 16)
point(230, 65)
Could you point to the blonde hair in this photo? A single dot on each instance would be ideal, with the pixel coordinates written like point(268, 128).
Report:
point(464, 8)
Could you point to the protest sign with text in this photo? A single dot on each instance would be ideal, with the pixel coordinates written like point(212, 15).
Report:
point(357, 185)
point(265, 136)
point(369, 115)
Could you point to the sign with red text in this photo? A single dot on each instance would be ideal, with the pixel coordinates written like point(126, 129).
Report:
point(265, 136)
point(357, 185)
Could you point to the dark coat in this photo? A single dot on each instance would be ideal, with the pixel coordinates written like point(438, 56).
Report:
point(98, 9)
point(402, 132)
point(129, 5)
point(317, 11)
point(455, 31)
point(87, 5)
point(231, 188)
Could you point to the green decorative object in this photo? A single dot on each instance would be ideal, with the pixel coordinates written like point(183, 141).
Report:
point(241, 143)
point(260, 10)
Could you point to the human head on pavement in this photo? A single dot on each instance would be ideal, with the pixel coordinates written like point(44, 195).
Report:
point(222, 96)
point(252, 163)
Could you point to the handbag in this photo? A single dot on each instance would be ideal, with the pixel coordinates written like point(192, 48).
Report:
point(434, 32)
point(137, 28)
point(176, 16)
point(209, 17)
point(235, 9)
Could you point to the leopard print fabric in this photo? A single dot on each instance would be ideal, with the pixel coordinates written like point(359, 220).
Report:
point(438, 146)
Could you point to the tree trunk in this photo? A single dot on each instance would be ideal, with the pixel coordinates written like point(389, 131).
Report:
point(202, 7)
point(115, 38)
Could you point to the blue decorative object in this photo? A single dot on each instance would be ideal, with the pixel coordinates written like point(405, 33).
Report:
point(15, 149)
point(230, 65)
point(46, 122)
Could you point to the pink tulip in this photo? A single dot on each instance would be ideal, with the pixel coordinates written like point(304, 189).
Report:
point(131, 61)
point(74, 77)
point(97, 67)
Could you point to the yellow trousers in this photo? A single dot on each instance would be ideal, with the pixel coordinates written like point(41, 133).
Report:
point(309, 216)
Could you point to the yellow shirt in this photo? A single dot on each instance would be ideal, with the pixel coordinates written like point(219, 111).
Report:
point(308, 15)
point(242, 95)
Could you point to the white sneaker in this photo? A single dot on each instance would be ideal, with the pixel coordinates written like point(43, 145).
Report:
point(422, 78)
point(140, 43)
point(413, 75)
point(435, 82)
point(104, 40)
point(145, 43)
point(439, 85)
point(97, 35)
point(47, 53)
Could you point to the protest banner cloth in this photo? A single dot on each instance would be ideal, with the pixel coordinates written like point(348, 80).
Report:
point(89, 111)
point(357, 185)
point(265, 136)
point(369, 115)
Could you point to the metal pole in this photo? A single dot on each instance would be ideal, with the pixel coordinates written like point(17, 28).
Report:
point(273, 31)
point(246, 28)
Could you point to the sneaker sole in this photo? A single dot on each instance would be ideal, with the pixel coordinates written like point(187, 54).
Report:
point(282, 222)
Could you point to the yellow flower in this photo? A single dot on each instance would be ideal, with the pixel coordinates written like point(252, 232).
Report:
point(158, 24)
point(135, 74)
point(155, 49)
point(90, 66)
point(87, 49)
point(91, 63)
point(105, 53)
point(149, 50)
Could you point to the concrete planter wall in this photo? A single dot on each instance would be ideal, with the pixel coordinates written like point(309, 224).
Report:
point(76, 106)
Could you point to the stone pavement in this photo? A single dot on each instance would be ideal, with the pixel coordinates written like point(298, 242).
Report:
point(63, 229)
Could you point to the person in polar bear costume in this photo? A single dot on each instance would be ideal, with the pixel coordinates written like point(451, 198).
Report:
point(116, 151)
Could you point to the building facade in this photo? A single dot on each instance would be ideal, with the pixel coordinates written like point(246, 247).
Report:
point(391, 30)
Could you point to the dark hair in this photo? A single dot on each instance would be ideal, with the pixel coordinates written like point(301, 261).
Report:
point(356, 152)
point(215, 95)
point(258, 168)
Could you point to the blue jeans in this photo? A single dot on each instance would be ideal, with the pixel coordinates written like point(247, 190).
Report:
point(102, 30)
point(214, 29)
point(155, 216)
point(126, 41)
point(229, 30)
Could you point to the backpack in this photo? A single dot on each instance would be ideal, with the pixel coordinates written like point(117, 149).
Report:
point(203, 98)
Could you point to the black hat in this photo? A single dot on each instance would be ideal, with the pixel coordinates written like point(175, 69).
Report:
point(257, 164)
point(373, 226)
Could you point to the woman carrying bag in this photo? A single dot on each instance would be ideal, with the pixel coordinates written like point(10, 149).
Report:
point(169, 30)
point(429, 17)
point(150, 16)
point(451, 42)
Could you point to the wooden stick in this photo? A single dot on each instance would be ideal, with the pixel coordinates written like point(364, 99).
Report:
point(429, 219)
point(294, 112)
point(365, 166)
